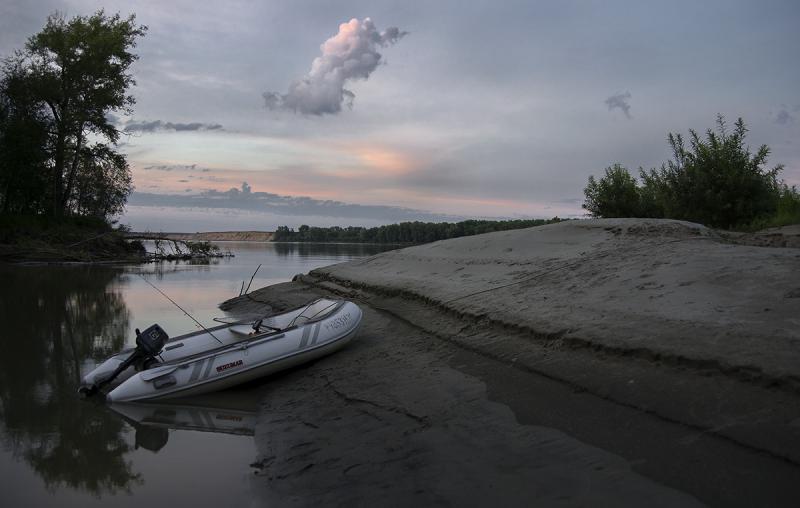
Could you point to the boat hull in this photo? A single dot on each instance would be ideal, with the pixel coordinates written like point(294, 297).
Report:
point(243, 361)
point(136, 389)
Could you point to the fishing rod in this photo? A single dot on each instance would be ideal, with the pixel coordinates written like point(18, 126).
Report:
point(178, 306)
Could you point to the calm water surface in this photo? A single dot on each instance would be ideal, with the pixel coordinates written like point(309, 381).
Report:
point(59, 321)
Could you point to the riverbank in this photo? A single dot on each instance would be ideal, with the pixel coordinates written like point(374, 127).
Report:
point(73, 239)
point(661, 343)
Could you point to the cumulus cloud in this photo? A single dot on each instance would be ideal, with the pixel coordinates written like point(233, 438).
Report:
point(620, 101)
point(349, 55)
point(158, 125)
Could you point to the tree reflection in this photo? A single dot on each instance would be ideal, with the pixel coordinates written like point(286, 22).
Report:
point(162, 269)
point(307, 249)
point(55, 319)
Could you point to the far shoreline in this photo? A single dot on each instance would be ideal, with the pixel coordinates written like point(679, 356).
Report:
point(245, 236)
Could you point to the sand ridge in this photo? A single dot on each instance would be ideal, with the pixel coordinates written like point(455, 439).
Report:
point(671, 290)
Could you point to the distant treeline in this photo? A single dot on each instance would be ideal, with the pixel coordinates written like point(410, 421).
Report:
point(404, 232)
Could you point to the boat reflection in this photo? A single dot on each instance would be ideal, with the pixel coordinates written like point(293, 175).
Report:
point(228, 412)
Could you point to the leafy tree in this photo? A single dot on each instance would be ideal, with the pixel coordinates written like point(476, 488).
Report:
point(716, 181)
point(103, 182)
point(76, 73)
point(23, 140)
point(616, 194)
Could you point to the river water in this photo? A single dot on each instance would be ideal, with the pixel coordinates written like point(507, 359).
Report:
point(59, 321)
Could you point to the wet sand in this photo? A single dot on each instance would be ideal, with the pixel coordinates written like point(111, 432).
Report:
point(403, 418)
point(598, 363)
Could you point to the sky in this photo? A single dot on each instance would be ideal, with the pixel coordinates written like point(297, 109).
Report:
point(432, 110)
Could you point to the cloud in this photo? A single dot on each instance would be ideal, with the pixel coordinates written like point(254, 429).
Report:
point(245, 198)
point(158, 125)
point(349, 55)
point(620, 101)
point(783, 117)
point(171, 167)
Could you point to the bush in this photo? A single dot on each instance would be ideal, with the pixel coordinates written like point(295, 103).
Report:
point(615, 195)
point(787, 211)
point(716, 181)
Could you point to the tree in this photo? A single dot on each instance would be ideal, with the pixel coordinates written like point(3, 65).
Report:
point(76, 72)
point(23, 155)
point(616, 194)
point(716, 181)
point(103, 182)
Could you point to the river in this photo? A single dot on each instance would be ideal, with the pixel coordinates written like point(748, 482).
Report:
point(60, 320)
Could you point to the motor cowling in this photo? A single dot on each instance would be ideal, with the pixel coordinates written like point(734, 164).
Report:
point(151, 341)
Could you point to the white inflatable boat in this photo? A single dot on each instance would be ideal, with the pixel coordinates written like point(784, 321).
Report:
point(224, 356)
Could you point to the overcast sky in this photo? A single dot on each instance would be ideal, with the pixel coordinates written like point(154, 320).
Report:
point(460, 108)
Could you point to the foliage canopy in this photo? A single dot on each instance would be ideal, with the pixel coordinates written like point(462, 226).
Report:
point(614, 195)
point(60, 89)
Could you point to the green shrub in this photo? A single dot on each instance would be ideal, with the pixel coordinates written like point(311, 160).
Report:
point(616, 194)
point(715, 181)
point(787, 211)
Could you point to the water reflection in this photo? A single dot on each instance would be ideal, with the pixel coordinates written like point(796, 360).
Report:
point(305, 249)
point(230, 412)
point(54, 321)
point(58, 321)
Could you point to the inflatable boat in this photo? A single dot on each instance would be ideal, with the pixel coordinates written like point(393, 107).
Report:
point(216, 358)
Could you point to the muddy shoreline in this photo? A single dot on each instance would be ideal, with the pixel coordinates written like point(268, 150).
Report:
point(420, 411)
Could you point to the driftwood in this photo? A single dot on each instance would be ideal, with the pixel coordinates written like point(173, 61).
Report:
point(168, 249)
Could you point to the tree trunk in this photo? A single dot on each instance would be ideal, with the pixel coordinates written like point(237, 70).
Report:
point(58, 174)
point(73, 169)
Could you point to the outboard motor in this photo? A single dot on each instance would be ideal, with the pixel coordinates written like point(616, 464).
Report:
point(151, 341)
point(149, 344)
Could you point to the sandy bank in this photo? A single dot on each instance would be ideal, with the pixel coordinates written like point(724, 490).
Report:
point(666, 317)
point(659, 341)
point(665, 290)
point(403, 418)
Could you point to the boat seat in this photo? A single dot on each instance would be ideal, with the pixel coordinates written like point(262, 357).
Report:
point(242, 331)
